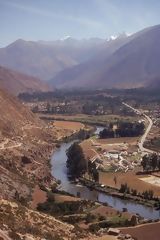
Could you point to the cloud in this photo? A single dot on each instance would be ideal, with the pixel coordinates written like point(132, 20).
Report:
point(50, 14)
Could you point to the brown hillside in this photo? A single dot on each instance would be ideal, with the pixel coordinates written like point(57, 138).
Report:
point(16, 82)
point(25, 146)
point(14, 116)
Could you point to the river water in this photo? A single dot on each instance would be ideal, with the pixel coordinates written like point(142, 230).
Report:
point(59, 171)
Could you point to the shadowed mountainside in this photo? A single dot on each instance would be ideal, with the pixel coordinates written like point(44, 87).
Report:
point(44, 59)
point(133, 63)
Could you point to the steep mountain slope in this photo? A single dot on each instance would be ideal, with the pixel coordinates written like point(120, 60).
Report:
point(24, 140)
point(16, 82)
point(34, 225)
point(14, 116)
point(89, 68)
point(134, 63)
point(25, 147)
point(45, 59)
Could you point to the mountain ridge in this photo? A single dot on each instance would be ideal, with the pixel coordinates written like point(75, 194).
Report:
point(134, 63)
point(16, 82)
point(44, 59)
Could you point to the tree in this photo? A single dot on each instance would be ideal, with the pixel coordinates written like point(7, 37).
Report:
point(124, 188)
point(93, 171)
point(150, 162)
point(145, 162)
point(158, 163)
point(48, 107)
point(106, 133)
point(154, 160)
point(76, 162)
point(115, 180)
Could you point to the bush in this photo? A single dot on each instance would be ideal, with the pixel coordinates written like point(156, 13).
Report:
point(94, 228)
point(124, 188)
point(90, 218)
point(102, 218)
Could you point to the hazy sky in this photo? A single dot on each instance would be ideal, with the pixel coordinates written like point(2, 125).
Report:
point(54, 19)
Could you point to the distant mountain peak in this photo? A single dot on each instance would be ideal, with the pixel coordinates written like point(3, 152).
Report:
point(120, 35)
point(113, 37)
point(124, 61)
point(17, 42)
point(66, 38)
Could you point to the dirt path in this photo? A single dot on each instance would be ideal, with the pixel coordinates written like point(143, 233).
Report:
point(106, 237)
point(2, 145)
point(4, 236)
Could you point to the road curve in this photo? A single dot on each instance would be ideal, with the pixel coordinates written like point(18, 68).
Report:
point(143, 138)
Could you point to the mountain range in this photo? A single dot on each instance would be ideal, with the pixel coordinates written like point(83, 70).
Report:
point(44, 59)
point(127, 62)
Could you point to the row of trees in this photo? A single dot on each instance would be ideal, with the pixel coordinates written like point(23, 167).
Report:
point(151, 162)
point(124, 129)
point(148, 194)
point(78, 165)
point(76, 162)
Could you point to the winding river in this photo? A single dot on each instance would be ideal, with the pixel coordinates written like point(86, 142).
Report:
point(59, 171)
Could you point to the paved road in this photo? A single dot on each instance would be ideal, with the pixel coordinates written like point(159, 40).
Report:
point(143, 138)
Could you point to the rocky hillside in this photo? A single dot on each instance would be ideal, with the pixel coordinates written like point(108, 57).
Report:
point(25, 144)
point(25, 147)
point(35, 225)
point(16, 82)
point(14, 117)
point(133, 63)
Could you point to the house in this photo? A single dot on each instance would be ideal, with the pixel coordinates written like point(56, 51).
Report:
point(113, 231)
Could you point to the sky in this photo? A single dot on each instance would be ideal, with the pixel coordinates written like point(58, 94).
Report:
point(56, 19)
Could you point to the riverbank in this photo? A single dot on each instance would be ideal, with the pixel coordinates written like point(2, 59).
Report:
point(114, 192)
point(59, 171)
